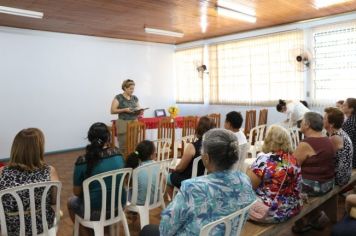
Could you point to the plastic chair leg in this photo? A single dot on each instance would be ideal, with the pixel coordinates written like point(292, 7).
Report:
point(144, 216)
point(76, 228)
point(124, 223)
point(98, 230)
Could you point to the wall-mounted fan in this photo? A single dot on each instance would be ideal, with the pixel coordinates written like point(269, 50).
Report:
point(300, 58)
point(201, 68)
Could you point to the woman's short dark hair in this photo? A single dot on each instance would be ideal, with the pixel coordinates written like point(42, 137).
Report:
point(98, 136)
point(235, 119)
point(334, 116)
point(280, 105)
point(222, 147)
point(127, 83)
point(351, 102)
point(204, 124)
point(143, 152)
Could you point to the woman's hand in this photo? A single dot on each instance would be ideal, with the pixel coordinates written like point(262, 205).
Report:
point(127, 110)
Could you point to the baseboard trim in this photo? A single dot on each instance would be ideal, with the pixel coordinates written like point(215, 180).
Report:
point(6, 159)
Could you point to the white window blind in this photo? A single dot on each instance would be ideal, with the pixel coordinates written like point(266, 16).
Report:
point(189, 83)
point(255, 71)
point(335, 63)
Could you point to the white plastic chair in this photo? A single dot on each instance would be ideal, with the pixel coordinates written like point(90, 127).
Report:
point(163, 147)
point(195, 167)
point(161, 168)
point(30, 188)
point(229, 221)
point(116, 191)
point(243, 149)
point(258, 133)
point(194, 172)
point(294, 135)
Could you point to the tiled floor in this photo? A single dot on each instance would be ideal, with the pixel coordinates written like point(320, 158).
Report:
point(64, 165)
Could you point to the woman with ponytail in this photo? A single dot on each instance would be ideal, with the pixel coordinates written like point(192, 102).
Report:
point(144, 154)
point(98, 158)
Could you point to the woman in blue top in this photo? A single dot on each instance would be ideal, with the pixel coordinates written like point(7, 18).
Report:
point(98, 158)
point(144, 154)
point(205, 199)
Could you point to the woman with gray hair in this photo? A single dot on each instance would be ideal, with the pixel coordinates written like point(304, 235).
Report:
point(204, 199)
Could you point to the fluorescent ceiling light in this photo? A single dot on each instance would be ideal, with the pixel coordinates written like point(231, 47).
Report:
point(326, 3)
point(21, 12)
point(163, 32)
point(235, 6)
point(235, 14)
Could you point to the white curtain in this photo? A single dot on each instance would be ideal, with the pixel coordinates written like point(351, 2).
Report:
point(256, 71)
point(335, 63)
point(189, 82)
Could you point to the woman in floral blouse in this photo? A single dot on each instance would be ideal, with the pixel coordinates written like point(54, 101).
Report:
point(276, 177)
point(205, 199)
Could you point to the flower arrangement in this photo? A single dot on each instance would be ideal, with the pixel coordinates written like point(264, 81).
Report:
point(173, 111)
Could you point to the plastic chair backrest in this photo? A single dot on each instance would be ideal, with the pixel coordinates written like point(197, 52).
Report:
point(294, 135)
point(45, 194)
point(163, 148)
point(122, 174)
point(155, 173)
point(257, 134)
point(238, 216)
point(243, 149)
point(195, 167)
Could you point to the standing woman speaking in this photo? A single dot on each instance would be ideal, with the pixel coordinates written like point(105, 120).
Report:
point(126, 106)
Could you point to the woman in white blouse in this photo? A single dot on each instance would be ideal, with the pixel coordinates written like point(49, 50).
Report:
point(295, 111)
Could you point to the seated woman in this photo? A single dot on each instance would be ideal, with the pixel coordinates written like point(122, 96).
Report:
point(144, 154)
point(349, 126)
point(208, 198)
point(27, 166)
point(316, 156)
point(183, 170)
point(98, 158)
point(333, 120)
point(276, 177)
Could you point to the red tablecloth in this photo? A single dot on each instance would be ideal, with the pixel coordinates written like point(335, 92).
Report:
point(2, 164)
point(152, 122)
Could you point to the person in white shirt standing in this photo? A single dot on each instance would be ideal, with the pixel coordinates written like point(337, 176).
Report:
point(295, 111)
point(233, 122)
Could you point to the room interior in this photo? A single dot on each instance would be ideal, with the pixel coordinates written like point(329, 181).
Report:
point(60, 70)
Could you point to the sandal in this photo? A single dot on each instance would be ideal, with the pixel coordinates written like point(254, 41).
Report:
point(321, 222)
point(300, 230)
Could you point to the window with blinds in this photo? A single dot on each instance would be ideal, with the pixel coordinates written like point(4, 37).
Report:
point(255, 71)
point(189, 82)
point(335, 63)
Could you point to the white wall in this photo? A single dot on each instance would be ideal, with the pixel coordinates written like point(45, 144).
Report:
point(62, 83)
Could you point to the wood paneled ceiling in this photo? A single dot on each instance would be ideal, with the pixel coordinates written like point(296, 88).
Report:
point(126, 19)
